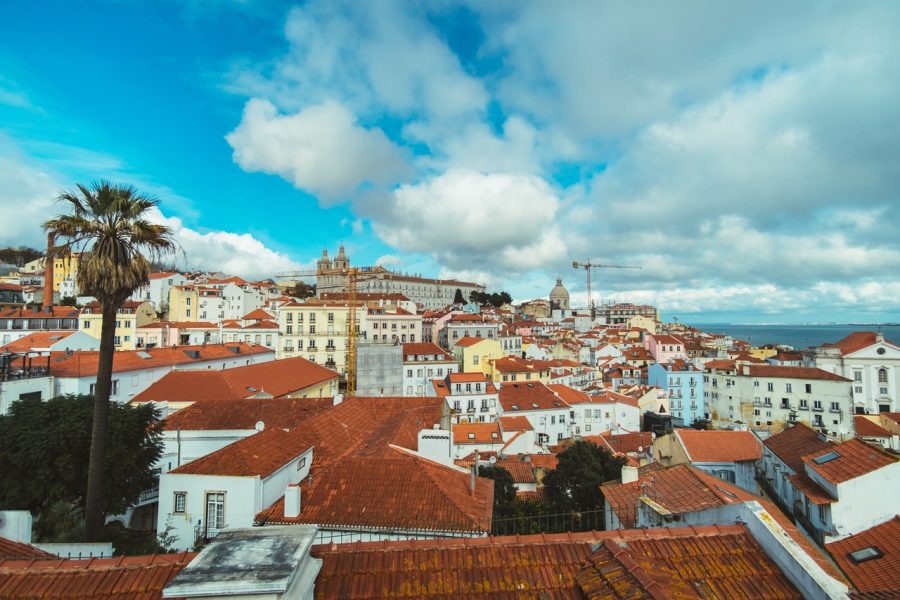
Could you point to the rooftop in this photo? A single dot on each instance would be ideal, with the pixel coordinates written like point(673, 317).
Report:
point(875, 570)
point(274, 378)
point(274, 413)
point(792, 444)
point(526, 396)
point(719, 446)
point(477, 433)
point(856, 341)
point(848, 460)
point(793, 372)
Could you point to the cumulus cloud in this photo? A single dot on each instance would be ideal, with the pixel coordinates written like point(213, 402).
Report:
point(29, 191)
point(320, 149)
point(464, 218)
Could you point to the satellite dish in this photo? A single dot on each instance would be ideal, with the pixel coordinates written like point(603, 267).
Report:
point(260, 425)
point(492, 460)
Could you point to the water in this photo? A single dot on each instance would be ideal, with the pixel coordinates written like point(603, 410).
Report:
point(798, 336)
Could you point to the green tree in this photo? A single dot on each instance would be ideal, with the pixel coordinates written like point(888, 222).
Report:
point(504, 491)
point(574, 485)
point(44, 453)
point(107, 225)
point(302, 290)
point(458, 298)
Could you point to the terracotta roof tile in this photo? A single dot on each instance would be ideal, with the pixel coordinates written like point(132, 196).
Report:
point(119, 578)
point(792, 444)
point(469, 341)
point(856, 341)
point(37, 341)
point(855, 458)
point(258, 315)
point(720, 446)
point(10, 549)
point(865, 427)
point(527, 396)
point(627, 443)
point(632, 564)
point(477, 433)
point(881, 574)
point(84, 363)
point(426, 349)
point(277, 413)
point(793, 372)
point(522, 471)
point(516, 423)
point(260, 454)
point(275, 378)
point(56, 312)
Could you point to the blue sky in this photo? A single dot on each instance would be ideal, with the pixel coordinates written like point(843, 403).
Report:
point(746, 157)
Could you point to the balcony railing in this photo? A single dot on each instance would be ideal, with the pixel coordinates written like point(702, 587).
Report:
point(26, 373)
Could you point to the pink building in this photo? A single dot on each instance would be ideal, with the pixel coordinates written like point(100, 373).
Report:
point(665, 348)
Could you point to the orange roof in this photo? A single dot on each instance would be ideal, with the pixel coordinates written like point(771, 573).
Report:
point(84, 363)
point(811, 489)
point(627, 443)
point(12, 549)
point(258, 315)
point(719, 446)
point(793, 372)
point(39, 340)
point(469, 341)
point(570, 395)
point(467, 377)
point(516, 424)
point(426, 349)
point(878, 574)
point(179, 325)
point(867, 428)
point(514, 364)
point(722, 364)
point(667, 339)
point(792, 444)
point(856, 341)
point(527, 396)
point(260, 454)
point(122, 577)
point(854, 458)
point(477, 433)
point(275, 413)
point(56, 312)
point(522, 471)
point(276, 378)
point(162, 274)
point(595, 564)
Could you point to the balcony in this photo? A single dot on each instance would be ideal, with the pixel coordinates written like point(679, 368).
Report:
point(817, 409)
point(26, 373)
point(485, 409)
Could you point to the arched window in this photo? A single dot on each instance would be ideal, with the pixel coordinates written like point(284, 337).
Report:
point(882, 375)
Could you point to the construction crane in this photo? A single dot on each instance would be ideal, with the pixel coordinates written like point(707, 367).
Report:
point(350, 357)
point(587, 266)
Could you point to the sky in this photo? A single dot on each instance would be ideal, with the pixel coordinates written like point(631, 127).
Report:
point(746, 156)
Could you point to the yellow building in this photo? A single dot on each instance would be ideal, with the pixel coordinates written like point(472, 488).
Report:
point(763, 353)
point(316, 331)
point(130, 316)
point(474, 354)
point(511, 368)
point(65, 269)
point(642, 322)
point(184, 301)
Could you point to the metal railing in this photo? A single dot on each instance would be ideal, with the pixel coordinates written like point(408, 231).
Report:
point(593, 520)
point(26, 373)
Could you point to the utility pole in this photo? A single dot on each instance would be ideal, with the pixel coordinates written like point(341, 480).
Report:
point(587, 266)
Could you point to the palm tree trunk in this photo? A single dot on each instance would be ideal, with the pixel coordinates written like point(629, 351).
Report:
point(93, 510)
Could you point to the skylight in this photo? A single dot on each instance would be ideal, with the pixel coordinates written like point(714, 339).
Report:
point(143, 355)
point(826, 458)
point(869, 553)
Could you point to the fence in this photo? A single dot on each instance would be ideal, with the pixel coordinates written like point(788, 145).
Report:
point(592, 520)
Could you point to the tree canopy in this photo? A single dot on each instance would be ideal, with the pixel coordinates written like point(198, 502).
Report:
point(496, 299)
point(19, 255)
point(302, 290)
point(504, 491)
point(574, 485)
point(44, 450)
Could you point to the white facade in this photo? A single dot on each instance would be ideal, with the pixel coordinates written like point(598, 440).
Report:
point(242, 498)
point(157, 291)
point(418, 374)
point(874, 371)
point(384, 324)
point(591, 418)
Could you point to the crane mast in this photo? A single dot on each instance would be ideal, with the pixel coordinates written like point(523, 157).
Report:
point(587, 266)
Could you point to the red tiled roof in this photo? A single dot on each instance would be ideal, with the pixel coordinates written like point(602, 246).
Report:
point(84, 363)
point(38, 340)
point(276, 378)
point(258, 315)
point(867, 428)
point(179, 325)
point(470, 341)
point(792, 444)
point(514, 364)
point(723, 365)
point(720, 446)
point(391, 489)
point(543, 461)
point(881, 574)
point(477, 433)
point(119, 578)
point(723, 561)
point(56, 312)
point(793, 372)
point(467, 377)
point(570, 395)
point(162, 274)
point(855, 458)
point(516, 423)
point(627, 443)
point(426, 349)
point(10, 549)
point(260, 454)
point(522, 471)
point(275, 413)
point(856, 341)
point(810, 489)
point(667, 339)
point(526, 396)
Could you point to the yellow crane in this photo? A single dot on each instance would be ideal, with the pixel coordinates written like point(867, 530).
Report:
point(352, 330)
point(587, 266)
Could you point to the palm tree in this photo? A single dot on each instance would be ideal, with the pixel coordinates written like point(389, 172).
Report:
point(107, 227)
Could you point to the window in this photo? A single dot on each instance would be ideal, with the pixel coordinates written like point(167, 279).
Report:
point(882, 375)
point(787, 388)
point(302, 463)
point(803, 404)
point(409, 373)
point(770, 386)
point(187, 301)
point(187, 313)
point(857, 376)
point(835, 407)
point(290, 329)
point(809, 388)
point(215, 513)
point(180, 502)
point(817, 405)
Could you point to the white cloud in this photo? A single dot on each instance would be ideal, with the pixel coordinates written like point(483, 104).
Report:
point(319, 149)
point(494, 221)
point(27, 198)
point(388, 261)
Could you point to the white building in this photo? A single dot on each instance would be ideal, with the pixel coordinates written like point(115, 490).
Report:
point(548, 414)
point(383, 324)
point(594, 414)
point(471, 397)
point(733, 456)
point(871, 362)
point(423, 363)
point(156, 292)
point(766, 396)
point(463, 325)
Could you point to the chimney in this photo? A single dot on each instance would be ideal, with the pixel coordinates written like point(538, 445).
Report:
point(292, 501)
point(472, 481)
point(879, 337)
point(629, 474)
point(337, 399)
point(47, 301)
